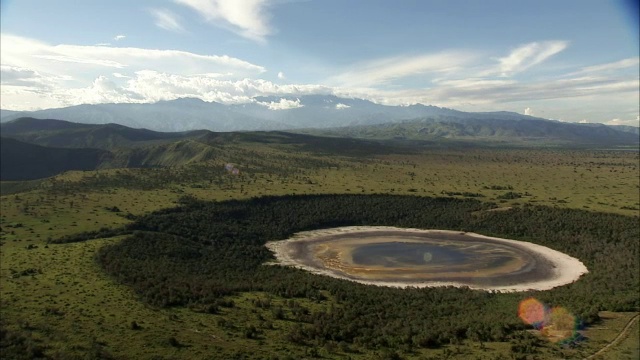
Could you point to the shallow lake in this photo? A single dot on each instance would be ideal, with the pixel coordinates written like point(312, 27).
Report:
point(394, 254)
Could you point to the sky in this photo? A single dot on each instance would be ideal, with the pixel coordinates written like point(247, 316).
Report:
point(570, 60)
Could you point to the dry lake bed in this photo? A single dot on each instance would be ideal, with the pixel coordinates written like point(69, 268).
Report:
point(399, 257)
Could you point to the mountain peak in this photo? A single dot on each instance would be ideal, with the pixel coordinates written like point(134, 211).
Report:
point(188, 101)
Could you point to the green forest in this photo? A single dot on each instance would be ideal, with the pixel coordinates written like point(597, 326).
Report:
point(199, 254)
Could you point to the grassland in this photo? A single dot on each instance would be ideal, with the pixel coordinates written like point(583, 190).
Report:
point(57, 299)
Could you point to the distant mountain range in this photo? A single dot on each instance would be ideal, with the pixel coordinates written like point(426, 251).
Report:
point(133, 135)
point(194, 114)
point(531, 131)
point(352, 116)
point(311, 111)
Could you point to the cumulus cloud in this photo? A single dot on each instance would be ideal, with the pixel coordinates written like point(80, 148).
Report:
point(528, 111)
point(33, 68)
point(247, 18)
point(166, 19)
point(119, 37)
point(281, 75)
point(283, 104)
point(147, 86)
point(340, 106)
point(102, 90)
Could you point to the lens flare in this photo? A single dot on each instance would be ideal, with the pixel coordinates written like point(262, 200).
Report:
point(532, 312)
point(562, 325)
point(232, 169)
point(556, 324)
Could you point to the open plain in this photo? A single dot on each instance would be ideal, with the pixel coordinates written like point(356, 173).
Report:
point(59, 302)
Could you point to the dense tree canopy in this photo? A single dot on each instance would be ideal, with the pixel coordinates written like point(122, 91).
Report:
point(201, 252)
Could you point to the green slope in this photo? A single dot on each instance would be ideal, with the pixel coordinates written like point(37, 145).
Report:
point(24, 161)
point(59, 133)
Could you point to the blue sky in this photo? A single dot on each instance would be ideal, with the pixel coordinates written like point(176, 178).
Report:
point(567, 60)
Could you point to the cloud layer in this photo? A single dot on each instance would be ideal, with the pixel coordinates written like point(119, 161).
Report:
point(39, 75)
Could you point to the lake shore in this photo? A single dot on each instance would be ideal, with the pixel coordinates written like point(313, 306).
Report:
point(563, 269)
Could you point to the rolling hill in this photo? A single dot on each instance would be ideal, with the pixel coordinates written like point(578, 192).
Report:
point(33, 148)
point(59, 133)
point(23, 161)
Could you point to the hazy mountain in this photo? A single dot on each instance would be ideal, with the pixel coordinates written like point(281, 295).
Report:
point(318, 111)
point(323, 111)
point(625, 128)
point(490, 128)
point(8, 113)
point(175, 115)
point(345, 117)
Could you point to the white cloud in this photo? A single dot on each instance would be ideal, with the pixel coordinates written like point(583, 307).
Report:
point(505, 92)
point(528, 111)
point(15, 75)
point(46, 58)
point(147, 86)
point(82, 60)
point(102, 90)
point(166, 19)
point(40, 75)
point(340, 106)
point(283, 104)
point(381, 71)
point(474, 84)
point(119, 37)
point(583, 121)
point(526, 56)
point(628, 122)
point(612, 66)
point(36, 74)
point(248, 18)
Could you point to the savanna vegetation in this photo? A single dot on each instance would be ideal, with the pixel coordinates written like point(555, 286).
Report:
point(167, 262)
point(200, 254)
